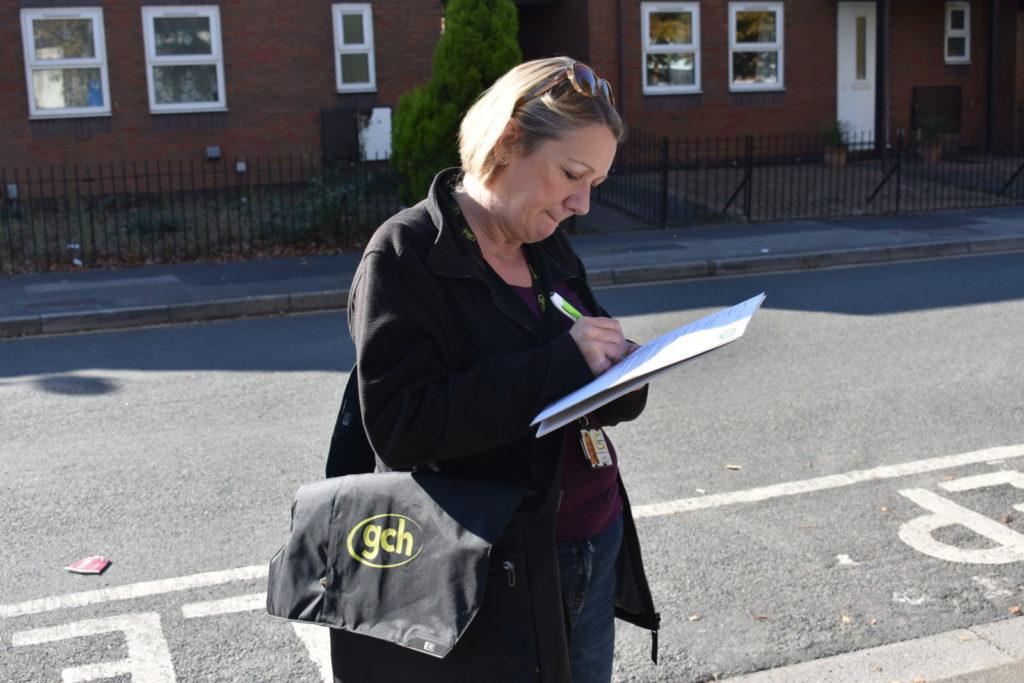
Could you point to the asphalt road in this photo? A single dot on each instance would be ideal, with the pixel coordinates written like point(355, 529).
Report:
point(175, 451)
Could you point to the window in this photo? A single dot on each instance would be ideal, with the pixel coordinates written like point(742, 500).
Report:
point(671, 45)
point(958, 33)
point(755, 46)
point(184, 62)
point(65, 62)
point(353, 48)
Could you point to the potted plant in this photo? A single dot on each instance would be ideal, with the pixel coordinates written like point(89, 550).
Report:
point(837, 134)
point(929, 138)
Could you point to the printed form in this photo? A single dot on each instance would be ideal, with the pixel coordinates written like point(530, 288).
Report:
point(650, 360)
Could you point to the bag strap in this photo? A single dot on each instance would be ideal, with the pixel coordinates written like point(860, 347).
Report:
point(350, 451)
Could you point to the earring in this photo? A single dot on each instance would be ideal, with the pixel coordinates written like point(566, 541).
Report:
point(502, 161)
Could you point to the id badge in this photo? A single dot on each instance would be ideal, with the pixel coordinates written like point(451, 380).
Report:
point(595, 448)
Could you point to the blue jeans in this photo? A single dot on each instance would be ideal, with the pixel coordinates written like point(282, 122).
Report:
point(587, 568)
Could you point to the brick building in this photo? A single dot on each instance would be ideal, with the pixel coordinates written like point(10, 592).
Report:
point(87, 81)
point(721, 68)
point(95, 81)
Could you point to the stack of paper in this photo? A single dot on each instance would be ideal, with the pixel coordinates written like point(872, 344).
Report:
point(649, 361)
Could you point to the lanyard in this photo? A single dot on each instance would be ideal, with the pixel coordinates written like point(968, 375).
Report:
point(540, 278)
point(542, 288)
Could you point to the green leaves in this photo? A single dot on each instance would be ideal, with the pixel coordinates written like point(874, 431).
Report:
point(478, 46)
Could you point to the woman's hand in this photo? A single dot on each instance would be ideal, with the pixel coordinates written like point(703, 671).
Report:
point(600, 341)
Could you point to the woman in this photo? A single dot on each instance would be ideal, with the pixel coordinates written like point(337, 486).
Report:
point(458, 347)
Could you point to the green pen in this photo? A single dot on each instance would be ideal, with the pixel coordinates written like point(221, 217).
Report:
point(570, 312)
point(566, 308)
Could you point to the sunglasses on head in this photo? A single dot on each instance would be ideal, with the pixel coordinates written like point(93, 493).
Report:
point(583, 80)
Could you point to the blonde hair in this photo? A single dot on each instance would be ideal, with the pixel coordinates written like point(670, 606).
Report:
point(558, 111)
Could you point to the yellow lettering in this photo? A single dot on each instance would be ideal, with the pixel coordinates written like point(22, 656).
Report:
point(403, 536)
point(371, 539)
point(385, 543)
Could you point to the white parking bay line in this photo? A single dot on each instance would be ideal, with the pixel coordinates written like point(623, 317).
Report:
point(133, 590)
point(240, 603)
point(317, 641)
point(147, 588)
point(792, 488)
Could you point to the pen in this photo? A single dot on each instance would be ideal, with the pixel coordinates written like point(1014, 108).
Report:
point(564, 307)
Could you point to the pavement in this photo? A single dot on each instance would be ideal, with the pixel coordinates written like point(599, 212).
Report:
point(985, 653)
point(82, 300)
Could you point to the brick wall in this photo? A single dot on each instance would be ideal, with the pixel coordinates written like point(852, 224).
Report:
point(807, 103)
point(1006, 68)
point(1018, 59)
point(917, 40)
point(554, 30)
point(809, 99)
point(279, 73)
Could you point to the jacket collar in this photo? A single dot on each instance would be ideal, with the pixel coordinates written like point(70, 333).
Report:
point(451, 253)
point(454, 252)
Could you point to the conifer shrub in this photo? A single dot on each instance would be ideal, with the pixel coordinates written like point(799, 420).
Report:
point(479, 44)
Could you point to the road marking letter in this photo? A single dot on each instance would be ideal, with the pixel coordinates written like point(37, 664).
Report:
point(917, 533)
point(149, 658)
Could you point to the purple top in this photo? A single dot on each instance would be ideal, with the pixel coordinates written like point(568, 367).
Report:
point(590, 498)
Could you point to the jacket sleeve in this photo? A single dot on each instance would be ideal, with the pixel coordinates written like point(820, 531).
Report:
point(628, 406)
point(416, 409)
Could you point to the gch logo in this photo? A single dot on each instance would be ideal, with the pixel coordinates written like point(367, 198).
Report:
point(384, 541)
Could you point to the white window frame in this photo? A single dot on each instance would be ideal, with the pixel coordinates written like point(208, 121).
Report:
point(95, 14)
point(366, 11)
point(778, 46)
point(964, 33)
point(646, 9)
point(216, 58)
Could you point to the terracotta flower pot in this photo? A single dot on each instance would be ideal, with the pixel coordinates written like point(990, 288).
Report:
point(930, 151)
point(835, 157)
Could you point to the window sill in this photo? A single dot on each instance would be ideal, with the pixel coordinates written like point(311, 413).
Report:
point(205, 110)
point(668, 93)
point(356, 91)
point(958, 62)
point(739, 91)
point(70, 115)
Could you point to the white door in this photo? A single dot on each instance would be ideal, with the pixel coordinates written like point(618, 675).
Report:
point(855, 60)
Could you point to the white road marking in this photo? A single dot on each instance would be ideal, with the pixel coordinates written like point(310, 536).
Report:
point(917, 533)
point(992, 586)
point(317, 640)
point(905, 599)
point(846, 561)
point(991, 455)
point(95, 672)
point(980, 481)
point(149, 658)
point(133, 590)
point(240, 603)
point(828, 482)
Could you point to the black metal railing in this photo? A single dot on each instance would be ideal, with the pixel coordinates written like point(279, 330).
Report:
point(765, 178)
point(159, 212)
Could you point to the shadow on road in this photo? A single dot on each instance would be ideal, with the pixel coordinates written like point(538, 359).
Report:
point(881, 289)
point(320, 342)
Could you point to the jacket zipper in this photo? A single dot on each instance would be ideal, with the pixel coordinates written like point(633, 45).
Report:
point(510, 569)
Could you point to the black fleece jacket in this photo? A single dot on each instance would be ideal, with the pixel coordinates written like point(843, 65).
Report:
point(452, 365)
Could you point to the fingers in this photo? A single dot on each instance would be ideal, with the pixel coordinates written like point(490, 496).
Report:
point(600, 341)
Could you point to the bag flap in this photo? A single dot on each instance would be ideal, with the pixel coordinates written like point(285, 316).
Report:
point(397, 556)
